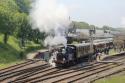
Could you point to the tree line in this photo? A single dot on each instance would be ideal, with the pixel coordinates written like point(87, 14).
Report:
point(84, 25)
point(13, 21)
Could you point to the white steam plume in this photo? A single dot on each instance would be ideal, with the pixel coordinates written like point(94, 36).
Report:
point(52, 18)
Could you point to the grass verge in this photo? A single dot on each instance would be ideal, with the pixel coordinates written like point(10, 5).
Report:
point(116, 79)
point(10, 53)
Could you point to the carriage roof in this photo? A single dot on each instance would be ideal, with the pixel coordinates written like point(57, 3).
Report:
point(79, 45)
point(99, 43)
point(103, 40)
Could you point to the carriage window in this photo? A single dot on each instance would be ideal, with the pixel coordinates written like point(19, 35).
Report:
point(87, 50)
point(80, 50)
point(83, 50)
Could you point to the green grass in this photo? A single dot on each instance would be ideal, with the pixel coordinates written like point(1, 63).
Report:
point(10, 53)
point(118, 79)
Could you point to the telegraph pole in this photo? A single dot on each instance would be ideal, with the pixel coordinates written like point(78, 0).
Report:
point(91, 32)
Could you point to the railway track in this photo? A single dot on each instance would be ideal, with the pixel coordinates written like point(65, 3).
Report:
point(118, 73)
point(111, 72)
point(27, 69)
point(45, 71)
point(51, 72)
point(17, 66)
point(70, 78)
point(46, 74)
point(66, 75)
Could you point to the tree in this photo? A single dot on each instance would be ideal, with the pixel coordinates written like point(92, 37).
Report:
point(106, 28)
point(7, 27)
point(38, 36)
point(8, 8)
point(23, 28)
point(81, 25)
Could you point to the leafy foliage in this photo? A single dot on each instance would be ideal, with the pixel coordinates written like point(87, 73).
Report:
point(14, 21)
point(8, 8)
point(81, 25)
point(24, 5)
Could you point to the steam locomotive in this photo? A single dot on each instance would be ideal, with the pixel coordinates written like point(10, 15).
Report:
point(75, 53)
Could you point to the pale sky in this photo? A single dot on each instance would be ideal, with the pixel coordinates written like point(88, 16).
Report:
point(97, 12)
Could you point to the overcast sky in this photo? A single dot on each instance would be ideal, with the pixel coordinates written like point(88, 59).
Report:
point(97, 12)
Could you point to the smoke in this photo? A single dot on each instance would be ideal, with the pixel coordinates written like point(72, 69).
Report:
point(55, 40)
point(52, 18)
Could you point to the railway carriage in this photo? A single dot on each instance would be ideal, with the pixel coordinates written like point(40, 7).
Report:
point(81, 50)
